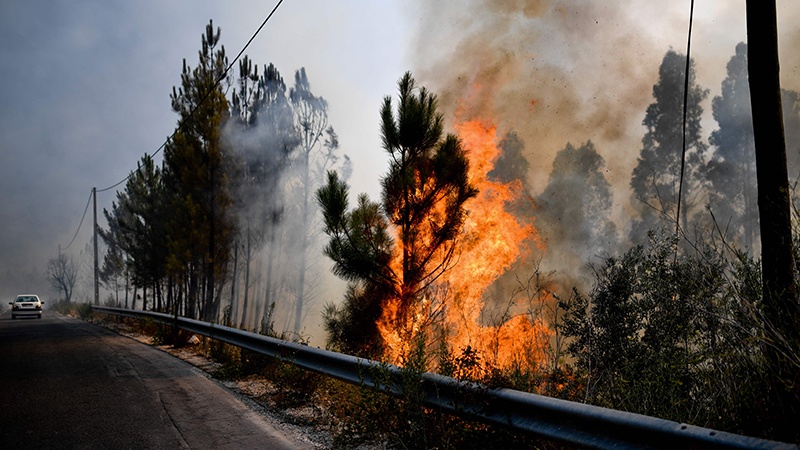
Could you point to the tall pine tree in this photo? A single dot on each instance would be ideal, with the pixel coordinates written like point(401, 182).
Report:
point(197, 179)
point(316, 154)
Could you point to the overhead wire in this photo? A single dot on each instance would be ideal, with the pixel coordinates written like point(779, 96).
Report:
point(80, 224)
point(685, 109)
point(181, 124)
point(207, 94)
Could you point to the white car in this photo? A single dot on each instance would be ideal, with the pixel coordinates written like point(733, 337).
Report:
point(26, 305)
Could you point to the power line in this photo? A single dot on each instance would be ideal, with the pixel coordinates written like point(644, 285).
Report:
point(80, 224)
point(685, 107)
point(181, 124)
point(207, 94)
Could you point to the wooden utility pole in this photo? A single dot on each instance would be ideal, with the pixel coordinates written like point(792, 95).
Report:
point(96, 264)
point(780, 304)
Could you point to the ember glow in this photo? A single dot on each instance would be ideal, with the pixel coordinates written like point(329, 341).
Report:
point(490, 243)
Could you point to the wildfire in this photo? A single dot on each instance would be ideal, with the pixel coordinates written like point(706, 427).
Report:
point(491, 242)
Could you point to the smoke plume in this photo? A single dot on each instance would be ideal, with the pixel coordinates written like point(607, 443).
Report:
point(555, 72)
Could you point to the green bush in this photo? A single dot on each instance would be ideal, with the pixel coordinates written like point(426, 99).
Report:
point(677, 335)
point(84, 311)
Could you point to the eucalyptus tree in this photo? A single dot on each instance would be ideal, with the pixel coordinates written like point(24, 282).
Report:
point(261, 134)
point(317, 151)
point(575, 207)
point(732, 167)
point(657, 175)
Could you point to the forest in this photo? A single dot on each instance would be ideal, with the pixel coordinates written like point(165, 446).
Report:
point(460, 267)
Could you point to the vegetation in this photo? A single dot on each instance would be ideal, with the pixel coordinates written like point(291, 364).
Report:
point(656, 179)
point(675, 337)
point(671, 325)
point(68, 308)
point(235, 191)
point(425, 169)
point(62, 272)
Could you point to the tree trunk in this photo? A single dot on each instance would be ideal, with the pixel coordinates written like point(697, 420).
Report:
point(234, 300)
point(157, 293)
point(191, 300)
point(269, 294)
point(127, 287)
point(304, 225)
point(247, 256)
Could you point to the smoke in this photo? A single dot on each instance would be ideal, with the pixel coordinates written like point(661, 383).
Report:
point(550, 72)
point(281, 146)
point(555, 72)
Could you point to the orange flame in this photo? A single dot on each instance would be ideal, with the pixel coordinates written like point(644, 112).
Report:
point(489, 244)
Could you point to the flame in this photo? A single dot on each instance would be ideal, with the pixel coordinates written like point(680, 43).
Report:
point(490, 243)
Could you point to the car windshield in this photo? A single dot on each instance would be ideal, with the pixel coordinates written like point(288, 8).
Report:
point(26, 299)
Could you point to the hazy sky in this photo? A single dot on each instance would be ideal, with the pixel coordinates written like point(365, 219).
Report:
point(85, 84)
point(85, 94)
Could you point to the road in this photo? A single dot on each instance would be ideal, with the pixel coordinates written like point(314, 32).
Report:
point(65, 383)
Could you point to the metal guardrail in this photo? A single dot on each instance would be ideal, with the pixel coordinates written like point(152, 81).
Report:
point(546, 417)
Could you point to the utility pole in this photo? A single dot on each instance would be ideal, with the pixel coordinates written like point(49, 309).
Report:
point(96, 266)
point(780, 304)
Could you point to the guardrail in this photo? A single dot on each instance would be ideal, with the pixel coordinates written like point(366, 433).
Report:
point(546, 417)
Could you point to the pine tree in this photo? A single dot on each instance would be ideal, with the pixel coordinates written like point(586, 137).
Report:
point(261, 136)
point(137, 224)
point(422, 203)
point(196, 176)
point(113, 273)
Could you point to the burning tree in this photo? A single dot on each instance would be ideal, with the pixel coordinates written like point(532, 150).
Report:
point(423, 198)
point(422, 261)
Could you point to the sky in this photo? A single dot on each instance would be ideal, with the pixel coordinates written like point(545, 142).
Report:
point(86, 83)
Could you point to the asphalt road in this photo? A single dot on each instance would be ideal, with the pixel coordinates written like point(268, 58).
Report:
point(65, 383)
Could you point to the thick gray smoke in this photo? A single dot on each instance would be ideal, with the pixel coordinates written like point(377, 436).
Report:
point(559, 72)
point(552, 73)
point(282, 145)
